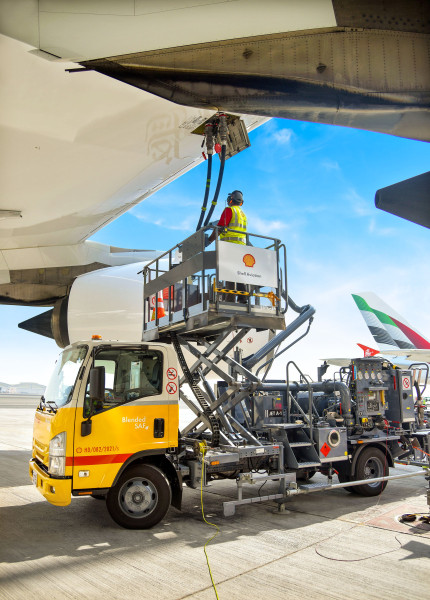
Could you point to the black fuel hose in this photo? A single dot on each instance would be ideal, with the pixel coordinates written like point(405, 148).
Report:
point(208, 185)
point(218, 185)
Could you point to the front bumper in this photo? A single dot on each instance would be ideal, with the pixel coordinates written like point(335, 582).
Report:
point(56, 491)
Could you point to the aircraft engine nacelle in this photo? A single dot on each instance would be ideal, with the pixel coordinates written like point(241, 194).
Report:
point(107, 302)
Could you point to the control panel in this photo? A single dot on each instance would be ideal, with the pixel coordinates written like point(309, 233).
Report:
point(369, 384)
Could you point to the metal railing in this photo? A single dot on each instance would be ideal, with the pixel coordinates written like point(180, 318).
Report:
point(291, 400)
point(188, 276)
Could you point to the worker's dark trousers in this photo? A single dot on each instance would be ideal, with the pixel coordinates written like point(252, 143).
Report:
point(240, 287)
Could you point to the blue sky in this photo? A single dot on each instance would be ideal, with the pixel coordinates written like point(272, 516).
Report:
point(312, 186)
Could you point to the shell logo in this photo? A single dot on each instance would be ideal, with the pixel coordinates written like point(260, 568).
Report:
point(249, 260)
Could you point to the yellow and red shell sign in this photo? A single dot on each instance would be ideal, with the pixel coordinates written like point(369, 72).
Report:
point(249, 260)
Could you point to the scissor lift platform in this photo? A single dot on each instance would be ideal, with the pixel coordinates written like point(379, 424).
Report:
point(215, 319)
point(191, 285)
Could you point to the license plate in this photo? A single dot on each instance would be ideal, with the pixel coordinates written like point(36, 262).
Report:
point(35, 478)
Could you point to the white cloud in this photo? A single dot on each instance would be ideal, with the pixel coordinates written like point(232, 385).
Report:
point(170, 222)
point(330, 165)
point(360, 206)
point(283, 137)
point(384, 231)
point(263, 227)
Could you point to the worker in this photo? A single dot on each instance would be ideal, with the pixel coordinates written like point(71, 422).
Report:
point(234, 219)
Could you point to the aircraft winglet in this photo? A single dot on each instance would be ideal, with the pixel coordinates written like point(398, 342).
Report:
point(368, 351)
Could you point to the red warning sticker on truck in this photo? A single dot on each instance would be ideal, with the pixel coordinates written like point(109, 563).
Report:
point(172, 373)
point(325, 449)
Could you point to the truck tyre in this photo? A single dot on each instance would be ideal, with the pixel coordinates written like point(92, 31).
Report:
point(344, 479)
point(140, 498)
point(371, 463)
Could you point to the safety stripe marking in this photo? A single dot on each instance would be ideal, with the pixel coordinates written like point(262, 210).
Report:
point(101, 459)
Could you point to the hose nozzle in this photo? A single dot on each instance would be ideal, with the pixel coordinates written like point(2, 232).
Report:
point(209, 138)
point(223, 131)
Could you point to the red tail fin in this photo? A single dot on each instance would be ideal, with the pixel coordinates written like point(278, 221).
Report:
point(368, 351)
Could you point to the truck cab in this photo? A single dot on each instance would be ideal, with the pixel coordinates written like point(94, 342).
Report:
point(109, 409)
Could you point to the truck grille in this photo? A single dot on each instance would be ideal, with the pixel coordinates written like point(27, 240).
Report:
point(41, 452)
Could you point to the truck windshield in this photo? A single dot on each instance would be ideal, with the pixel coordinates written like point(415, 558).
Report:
point(62, 382)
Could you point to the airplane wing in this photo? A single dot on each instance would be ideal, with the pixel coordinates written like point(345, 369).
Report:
point(81, 148)
point(416, 355)
point(77, 152)
point(337, 362)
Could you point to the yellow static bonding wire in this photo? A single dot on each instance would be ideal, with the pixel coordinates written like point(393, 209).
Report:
point(203, 449)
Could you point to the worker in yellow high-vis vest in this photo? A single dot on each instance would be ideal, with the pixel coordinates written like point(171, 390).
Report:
point(234, 219)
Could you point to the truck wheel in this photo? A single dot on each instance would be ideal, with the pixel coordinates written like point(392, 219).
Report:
point(370, 463)
point(344, 479)
point(140, 498)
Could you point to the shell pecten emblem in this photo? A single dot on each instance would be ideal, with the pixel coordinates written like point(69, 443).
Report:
point(249, 260)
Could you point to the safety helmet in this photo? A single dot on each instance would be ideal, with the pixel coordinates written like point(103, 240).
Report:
point(235, 197)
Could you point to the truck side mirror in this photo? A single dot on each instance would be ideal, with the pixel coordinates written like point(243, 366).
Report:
point(97, 393)
point(97, 383)
point(86, 427)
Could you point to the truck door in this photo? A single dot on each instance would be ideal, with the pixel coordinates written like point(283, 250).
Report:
point(136, 416)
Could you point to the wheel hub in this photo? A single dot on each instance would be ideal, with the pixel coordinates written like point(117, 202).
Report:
point(138, 497)
point(372, 469)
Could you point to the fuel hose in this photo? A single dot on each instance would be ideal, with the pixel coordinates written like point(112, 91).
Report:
point(218, 185)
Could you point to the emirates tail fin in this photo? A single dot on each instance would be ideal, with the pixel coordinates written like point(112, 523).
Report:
point(389, 329)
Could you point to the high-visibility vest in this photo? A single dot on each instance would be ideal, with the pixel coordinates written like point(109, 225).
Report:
point(238, 225)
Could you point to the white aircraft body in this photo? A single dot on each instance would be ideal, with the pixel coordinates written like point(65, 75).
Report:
point(80, 148)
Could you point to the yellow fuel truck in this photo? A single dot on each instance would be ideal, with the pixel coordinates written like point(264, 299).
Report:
point(109, 406)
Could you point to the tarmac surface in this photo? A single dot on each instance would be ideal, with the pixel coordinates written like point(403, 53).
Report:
point(328, 545)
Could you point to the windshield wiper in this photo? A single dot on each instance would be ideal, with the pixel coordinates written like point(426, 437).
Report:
point(51, 405)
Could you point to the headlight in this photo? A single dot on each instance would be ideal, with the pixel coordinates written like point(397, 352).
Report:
point(57, 465)
point(57, 454)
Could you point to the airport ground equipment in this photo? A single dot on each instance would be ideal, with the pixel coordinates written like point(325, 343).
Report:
point(108, 424)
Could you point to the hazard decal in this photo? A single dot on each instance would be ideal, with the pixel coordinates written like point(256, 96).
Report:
point(325, 450)
point(172, 373)
point(406, 383)
point(171, 387)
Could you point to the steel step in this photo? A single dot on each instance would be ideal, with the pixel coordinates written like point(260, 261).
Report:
point(285, 426)
point(300, 444)
point(304, 465)
point(312, 486)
